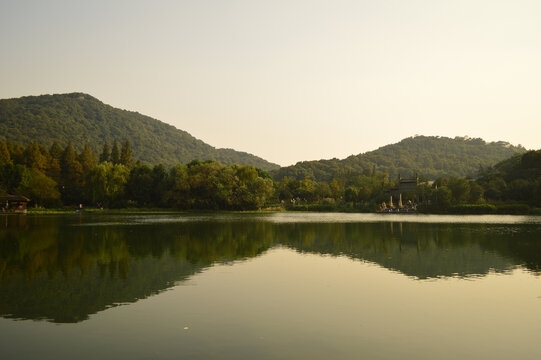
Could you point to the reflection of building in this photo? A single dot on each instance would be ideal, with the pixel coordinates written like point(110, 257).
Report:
point(13, 203)
point(404, 186)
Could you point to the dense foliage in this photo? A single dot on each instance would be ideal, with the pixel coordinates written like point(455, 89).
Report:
point(512, 186)
point(60, 176)
point(431, 156)
point(81, 119)
point(516, 180)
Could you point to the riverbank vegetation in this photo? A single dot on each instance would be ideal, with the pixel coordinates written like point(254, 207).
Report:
point(62, 178)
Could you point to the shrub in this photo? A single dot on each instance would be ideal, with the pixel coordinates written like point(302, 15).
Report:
point(473, 209)
point(514, 209)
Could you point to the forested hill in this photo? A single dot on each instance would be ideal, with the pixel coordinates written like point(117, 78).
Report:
point(515, 180)
point(430, 156)
point(83, 119)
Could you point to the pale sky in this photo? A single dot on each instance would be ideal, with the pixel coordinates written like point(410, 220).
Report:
point(289, 80)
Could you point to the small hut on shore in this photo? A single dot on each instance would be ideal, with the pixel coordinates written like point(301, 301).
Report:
point(13, 203)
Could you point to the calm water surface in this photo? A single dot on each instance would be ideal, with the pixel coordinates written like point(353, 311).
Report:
point(270, 286)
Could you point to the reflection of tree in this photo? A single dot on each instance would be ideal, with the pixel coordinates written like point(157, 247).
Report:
point(418, 250)
point(52, 270)
point(63, 273)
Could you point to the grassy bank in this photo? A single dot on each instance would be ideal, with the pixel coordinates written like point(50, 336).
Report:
point(44, 211)
point(96, 211)
point(464, 209)
point(483, 209)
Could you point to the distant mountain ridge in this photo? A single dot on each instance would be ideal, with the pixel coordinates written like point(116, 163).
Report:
point(83, 119)
point(430, 156)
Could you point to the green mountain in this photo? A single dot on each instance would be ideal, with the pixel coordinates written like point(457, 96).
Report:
point(430, 156)
point(83, 119)
point(515, 180)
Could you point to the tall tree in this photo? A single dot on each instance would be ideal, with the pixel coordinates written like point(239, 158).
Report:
point(139, 187)
point(33, 158)
point(72, 173)
point(126, 154)
point(53, 169)
point(159, 184)
point(178, 188)
point(105, 153)
point(11, 176)
point(56, 151)
point(4, 153)
point(87, 158)
point(55, 158)
point(16, 152)
point(115, 154)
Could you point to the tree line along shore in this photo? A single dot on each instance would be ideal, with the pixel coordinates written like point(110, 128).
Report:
point(64, 179)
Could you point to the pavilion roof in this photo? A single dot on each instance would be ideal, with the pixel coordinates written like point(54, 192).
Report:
point(9, 197)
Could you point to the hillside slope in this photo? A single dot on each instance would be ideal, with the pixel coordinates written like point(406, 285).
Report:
point(429, 156)
point(83, 119)
point(515, 180)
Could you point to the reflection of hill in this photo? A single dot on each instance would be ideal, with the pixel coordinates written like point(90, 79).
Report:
point(52, 270)
point(72, 297)
point(64, 273)
point(415, 249)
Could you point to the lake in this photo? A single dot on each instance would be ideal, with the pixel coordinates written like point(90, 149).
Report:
point(270, 286)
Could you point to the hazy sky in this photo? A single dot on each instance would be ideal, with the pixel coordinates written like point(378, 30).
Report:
point(289, 80)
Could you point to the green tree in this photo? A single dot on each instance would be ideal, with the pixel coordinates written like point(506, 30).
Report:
point(16, 152)
point(246, 174)
point(460, 190)
point(53, 168)
point(520, 190)
point(139, 187)
point(351, 194)
point(336, 188)
point(178, 188)
point(105, 153)
point(495, 187)
point(41, 189)
point(72, 176)
point(126, 154)
point(87, 158)
point(285, 189)
point(476, 193)
point(204, 183)
point(33, 157)
point(115, 154)
point(322, 191)
point(11, 176)
point(159, 185)
point(4, 153)
point(443, 196)
point(106, 184)
point(56, 151)
point(262, 190)
point(307, 190)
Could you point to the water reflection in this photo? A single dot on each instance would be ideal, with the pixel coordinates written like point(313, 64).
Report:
point(53, 270)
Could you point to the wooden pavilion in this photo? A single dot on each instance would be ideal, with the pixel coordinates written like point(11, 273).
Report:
point(13, 203)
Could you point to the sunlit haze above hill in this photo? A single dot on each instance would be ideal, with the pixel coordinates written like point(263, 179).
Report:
point(289, 80)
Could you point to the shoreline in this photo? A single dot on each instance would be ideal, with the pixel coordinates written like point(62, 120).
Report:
point(148, 211)
point(158, 211)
